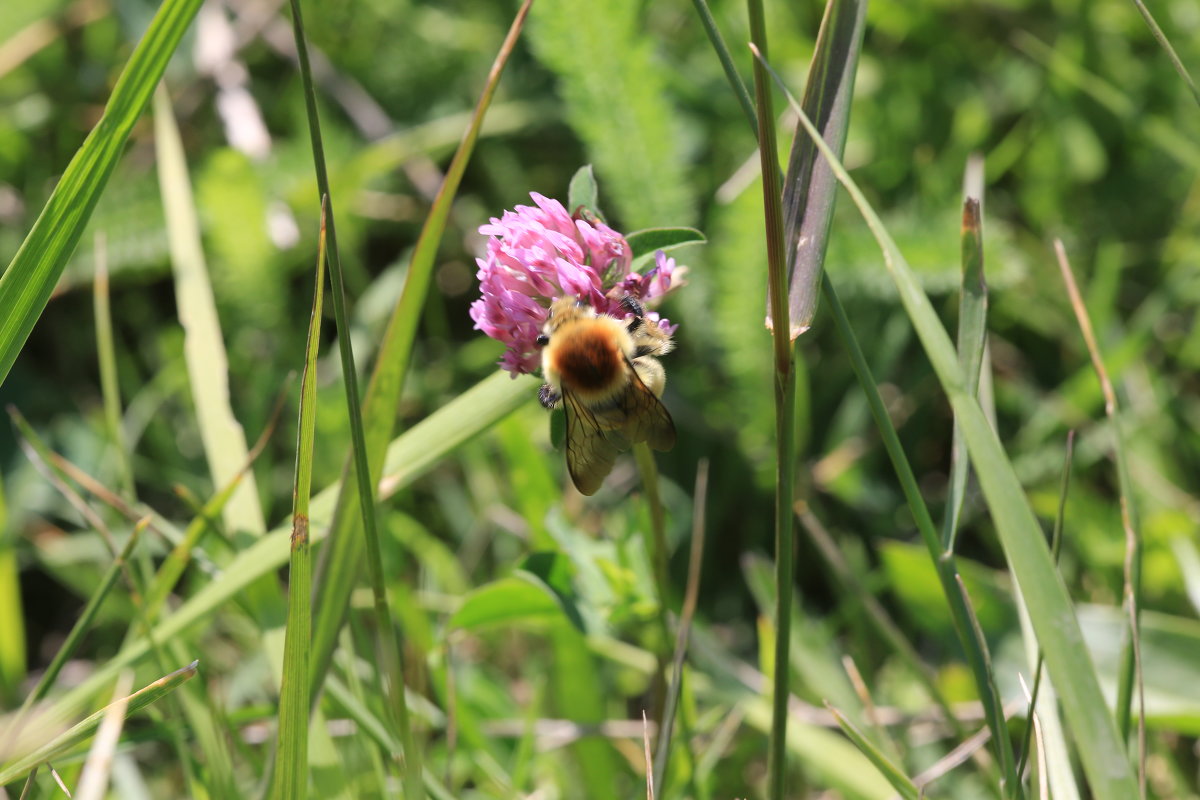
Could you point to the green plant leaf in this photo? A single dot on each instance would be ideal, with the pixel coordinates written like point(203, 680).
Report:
point(583, 192)
point(645, 243)
point(518, 600)
point(810, 190)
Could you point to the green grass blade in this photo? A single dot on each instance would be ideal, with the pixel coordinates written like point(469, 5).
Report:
point(26, 285)
point(947, 570)
point(83, 624)
point(810, 190)
point(208, 369)
point(895, 776)
point(93, 780)
point(409, 457)
point(204, 348)
point(108, 369)
point(1068, 662)
point(291, 767)
point(79, 733)
point(12, 633)
point(1055, 548)
point(972, 336)
point(785, 406)
point(1165, 43)
point(1130, 674)
point(339, 567)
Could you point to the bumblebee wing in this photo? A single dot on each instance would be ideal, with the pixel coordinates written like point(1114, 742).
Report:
point(591, 451)
point(646, 418)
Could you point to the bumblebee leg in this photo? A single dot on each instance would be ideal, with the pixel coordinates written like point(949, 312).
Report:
point(548, 397)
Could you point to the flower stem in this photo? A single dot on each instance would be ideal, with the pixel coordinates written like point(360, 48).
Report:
point(659, 557)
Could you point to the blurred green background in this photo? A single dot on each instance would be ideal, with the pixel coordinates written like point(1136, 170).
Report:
point(1087, 132)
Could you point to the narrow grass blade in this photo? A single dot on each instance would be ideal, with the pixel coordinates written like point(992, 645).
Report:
point(895, 776)
point(12, 633)
point(1067, 660)
point(208, 369)
point(108, 368)
point(972, 336)
point(409, 457)
point(944, 562)
point(83, 623)
point(1165, 43)
point(810, 190)
point(662, 758)
point(339, 568)
point(731, 74)
point(26, 285)
point(291, 766)
point(885, 627)
point(660, 558)
point(93, 780)
point(1130, 675)
point(204, 347)
point(392, 673)
point(1055, 548)
point(785, 405)
point(80, 732)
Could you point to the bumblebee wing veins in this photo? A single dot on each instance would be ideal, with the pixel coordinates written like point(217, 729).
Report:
point(591, 451)
point(646, 418)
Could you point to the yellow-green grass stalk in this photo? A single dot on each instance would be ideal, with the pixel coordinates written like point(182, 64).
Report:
point(12, 633)
point(106, 353)
point(291, 766)
point(79, 733)
point(1068, 662)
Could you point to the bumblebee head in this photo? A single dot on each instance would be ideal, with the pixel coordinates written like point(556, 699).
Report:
point(563, 310)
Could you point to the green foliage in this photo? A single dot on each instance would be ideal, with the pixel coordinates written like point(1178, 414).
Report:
point(530, 618)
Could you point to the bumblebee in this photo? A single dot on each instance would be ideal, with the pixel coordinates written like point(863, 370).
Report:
point(605, 373)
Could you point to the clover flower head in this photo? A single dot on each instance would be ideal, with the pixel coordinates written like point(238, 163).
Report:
point(536, 254)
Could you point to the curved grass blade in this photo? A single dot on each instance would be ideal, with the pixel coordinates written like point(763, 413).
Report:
point(339, 567)
point(291, 768)
point(1130, 675)
point(107, 357)
point(80, 732)
point(895, 776)
point(392, 673)
point(1067, 660)
point(93, 780)
point(26, 285)
point(1162, 39)
point(409, 457)
point(810, 190)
